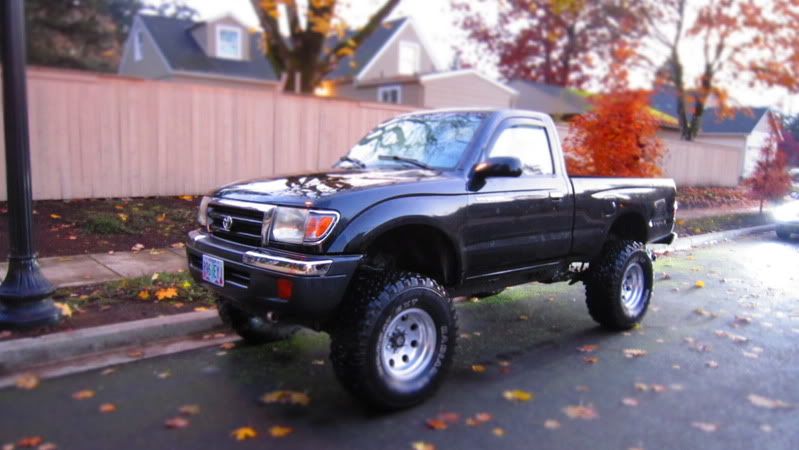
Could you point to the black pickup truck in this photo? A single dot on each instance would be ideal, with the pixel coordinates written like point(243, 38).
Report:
point(426, 207)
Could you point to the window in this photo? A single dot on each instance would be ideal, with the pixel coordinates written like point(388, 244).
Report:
point(138, 37)
point(530, 145)
point(389, 94)
point(409, 53)
point(228, 42)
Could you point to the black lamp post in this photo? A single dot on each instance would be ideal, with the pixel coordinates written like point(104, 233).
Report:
point(25, 292)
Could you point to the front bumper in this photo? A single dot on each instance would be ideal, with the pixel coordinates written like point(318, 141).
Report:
point(790, 227)
point(319, 282)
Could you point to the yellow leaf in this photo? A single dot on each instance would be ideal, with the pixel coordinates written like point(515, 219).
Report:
point(65, 309)
point(287, 397)
point(244, 433)
point(280, 431)
point(28, 381)
point(83, 395)
point(166, 293)
point(123, 217)
point(188, 198)
point(421, 445)
point(201, 308)
point(479, 368)
point(108, 408)
point(186, 284)
point(518, 395)
point(144, 294)
point(699, 284)
point(55, 216)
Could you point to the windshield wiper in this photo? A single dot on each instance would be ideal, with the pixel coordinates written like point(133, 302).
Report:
point(411, 161)
point(355, 162)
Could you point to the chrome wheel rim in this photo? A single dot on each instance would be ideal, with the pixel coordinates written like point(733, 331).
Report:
point(633, 289)
point(407, 344)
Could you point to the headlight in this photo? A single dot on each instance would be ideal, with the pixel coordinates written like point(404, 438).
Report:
point(202, 214)
point(787, 212)
point(298, 226)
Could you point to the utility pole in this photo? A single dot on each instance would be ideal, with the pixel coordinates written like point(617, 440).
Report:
point(25, 292)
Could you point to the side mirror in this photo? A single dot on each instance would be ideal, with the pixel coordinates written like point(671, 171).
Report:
point(499, 166)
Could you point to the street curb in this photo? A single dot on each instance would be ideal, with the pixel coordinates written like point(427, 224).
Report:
point(19, 354)
point(700, 240)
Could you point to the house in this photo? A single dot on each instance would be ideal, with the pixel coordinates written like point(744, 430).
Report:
point(218, 51)
point(746, 129)
point(559, 102)
point(396, 65)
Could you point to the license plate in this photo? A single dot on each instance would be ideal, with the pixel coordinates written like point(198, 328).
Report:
point(213, 270)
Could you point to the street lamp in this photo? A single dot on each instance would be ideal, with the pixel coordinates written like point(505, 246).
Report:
point(25, 292)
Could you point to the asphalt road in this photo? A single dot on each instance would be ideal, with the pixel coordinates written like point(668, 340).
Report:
point(720, 372)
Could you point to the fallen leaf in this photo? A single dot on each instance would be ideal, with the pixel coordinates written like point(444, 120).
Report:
point(280, 431)
point(436, 424)
point(518, 395)
point(160, 218)
point(244, 433)
point(629, 401)
point(176, 423)
point(201, 308)
point(123, 217)
point(767, 403)
point(188, 198)
point(107, 408)
point(30, 442)
point(189, 410)
point(587, 348)
point(65, 309)
point(178, 245)
point(55, 216)
point(699, 284)
point(705, 426)
point(28, 381)
point(450, 417)
point(498, 432)
point(47, 446)
point(551, 424)
point(584, 412)
point(478, 368)
point(766, 428)
point(155, 276)
point(523, 317)
point(479, 419)
point(634, 353)
point(703, 312)
point(421, 445)
point(318, 362)
point(166, 293)
point(186, 284)
point(84, 394)
point(108, 371)
point(164, 375)
point(712, 364)
point(137, 248)
point(591, 360)
point(228, 346)
point(286, 397)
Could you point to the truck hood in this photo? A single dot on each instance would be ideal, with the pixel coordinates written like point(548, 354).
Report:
point(319, 189)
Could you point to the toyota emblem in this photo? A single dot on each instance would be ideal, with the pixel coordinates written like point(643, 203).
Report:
point(227, 223)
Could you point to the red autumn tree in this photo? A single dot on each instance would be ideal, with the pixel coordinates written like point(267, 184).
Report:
point(557, 42)
point(617, 138)
point(716, 46)
point(770, 180)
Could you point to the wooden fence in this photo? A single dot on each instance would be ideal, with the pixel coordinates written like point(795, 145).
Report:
point(110, 136)
point(95, 136)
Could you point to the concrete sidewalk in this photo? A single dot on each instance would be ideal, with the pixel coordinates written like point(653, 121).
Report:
point(77, 270)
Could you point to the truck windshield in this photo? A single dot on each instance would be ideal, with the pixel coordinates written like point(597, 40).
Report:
point(435, 140)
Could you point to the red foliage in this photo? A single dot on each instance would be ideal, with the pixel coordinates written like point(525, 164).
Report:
point(618, 138)
point(554, 42)
point(770, 180)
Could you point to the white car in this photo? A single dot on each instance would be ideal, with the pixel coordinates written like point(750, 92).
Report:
point(787, 217)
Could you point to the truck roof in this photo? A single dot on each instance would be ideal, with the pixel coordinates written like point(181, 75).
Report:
point(503, 112)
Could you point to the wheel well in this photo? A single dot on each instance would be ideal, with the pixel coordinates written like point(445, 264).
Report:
point(629, 226)
point(415, 248)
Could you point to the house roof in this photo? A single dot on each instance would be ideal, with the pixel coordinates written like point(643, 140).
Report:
point(738, 121)
point(549, 98)
point(183, 53)
point(368, 49)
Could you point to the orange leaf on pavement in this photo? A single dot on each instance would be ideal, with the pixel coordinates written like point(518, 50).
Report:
point(584, 412)
point(108, 408)
point(83, 395)
point(518, 395)
point(28, 381)
point(280, 431)
point(287, 397)
point(244, 433)
point(176, 423)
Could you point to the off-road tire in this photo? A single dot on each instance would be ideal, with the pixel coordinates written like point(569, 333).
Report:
point(783, 234)
point(371, 305)
point(604, 284)
point(254, 330)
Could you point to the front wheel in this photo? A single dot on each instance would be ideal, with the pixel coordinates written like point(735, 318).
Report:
point(618, 286)
point(783, 233)
point(395, 341)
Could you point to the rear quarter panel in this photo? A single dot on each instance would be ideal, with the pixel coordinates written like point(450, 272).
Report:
point(599, 202)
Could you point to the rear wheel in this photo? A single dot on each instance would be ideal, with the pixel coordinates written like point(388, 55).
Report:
point(783, 233)
point(395, 341)
point(618, 287)
point(253, 329)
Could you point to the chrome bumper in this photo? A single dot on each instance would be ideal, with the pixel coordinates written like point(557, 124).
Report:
point(280, 264)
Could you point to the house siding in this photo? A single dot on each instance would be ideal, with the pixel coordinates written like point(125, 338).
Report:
point(412, 93)
point(387, 64)
point(466, 90)
point(151, 65)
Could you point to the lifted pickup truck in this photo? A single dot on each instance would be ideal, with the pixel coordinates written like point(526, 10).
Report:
point(426, 207)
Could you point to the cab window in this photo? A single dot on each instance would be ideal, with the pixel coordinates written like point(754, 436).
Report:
point(529, 144)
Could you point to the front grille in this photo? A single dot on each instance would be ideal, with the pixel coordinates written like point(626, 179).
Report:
point(245, 227)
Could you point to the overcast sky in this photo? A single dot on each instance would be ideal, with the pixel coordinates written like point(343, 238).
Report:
point(435, 20)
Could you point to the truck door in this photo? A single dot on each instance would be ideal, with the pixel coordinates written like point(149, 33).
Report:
point(525, 221)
